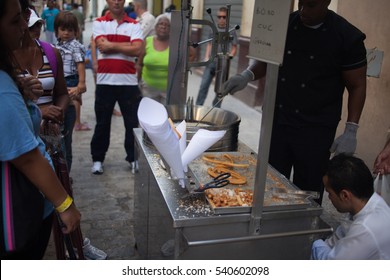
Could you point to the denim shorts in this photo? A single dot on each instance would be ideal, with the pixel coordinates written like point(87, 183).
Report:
point(72, 80)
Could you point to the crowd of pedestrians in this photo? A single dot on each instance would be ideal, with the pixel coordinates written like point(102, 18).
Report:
point(23, 150)
point(50, 73)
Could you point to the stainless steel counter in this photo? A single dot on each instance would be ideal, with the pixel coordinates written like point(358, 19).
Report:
point(185, 227)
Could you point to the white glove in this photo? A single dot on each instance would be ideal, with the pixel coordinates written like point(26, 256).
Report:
point(237, 82)
point(320, 250)
point(346, 143)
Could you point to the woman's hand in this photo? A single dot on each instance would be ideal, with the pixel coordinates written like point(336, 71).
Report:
point(382, 162)
point(73, 92)
point(32, 87)
point(71, 219)
point(53, 113)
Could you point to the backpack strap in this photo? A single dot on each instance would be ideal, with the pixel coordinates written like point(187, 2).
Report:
point(51, 55)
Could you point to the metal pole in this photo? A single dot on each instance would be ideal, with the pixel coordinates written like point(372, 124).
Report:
point(178, 57)
point(264, 145)
point(254, 238)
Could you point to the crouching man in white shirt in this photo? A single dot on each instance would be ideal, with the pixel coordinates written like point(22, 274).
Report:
point(349, 183)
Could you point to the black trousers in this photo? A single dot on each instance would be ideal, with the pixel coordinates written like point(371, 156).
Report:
point(36, 248)
point(305, 150)
point(128, 98)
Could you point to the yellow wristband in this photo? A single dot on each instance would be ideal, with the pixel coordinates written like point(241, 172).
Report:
point(65, 205)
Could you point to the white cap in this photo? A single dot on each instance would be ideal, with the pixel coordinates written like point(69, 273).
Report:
point(34, 18)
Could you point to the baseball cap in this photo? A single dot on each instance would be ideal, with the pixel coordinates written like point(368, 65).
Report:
point(34, 18)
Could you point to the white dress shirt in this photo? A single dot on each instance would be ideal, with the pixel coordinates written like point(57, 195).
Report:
point(366, 238)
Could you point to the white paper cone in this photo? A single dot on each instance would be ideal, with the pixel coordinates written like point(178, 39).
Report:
point(153, 118)
point(200, 142)
point(169, 149)
point(182, 129)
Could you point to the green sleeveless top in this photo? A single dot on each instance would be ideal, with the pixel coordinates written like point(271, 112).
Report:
point(155, 69)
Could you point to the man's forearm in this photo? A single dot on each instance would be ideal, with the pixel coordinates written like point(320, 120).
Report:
point(259, 69)
point(127, 48)
point(233, 51)
point(355, 81)
point(356, 102)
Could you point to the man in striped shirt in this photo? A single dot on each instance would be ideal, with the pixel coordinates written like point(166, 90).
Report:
point(119, 40)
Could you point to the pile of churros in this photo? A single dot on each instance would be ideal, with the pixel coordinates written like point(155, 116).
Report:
point(224, 166)
point(229, 197)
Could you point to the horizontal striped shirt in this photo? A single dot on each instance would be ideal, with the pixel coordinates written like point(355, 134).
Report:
point(116, 68)
point(45, 76)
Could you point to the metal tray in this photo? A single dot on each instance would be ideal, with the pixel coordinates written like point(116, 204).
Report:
point(277, 186)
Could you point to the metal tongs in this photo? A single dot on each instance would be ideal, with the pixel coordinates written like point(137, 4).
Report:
point(218, 182)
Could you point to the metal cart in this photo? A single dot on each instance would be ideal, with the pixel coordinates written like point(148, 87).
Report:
point(170, 224)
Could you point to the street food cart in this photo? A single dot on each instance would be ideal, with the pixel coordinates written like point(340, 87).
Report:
point(167, 215)
point(172, 222)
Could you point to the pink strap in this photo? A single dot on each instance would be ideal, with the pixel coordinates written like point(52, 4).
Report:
point(8, 226)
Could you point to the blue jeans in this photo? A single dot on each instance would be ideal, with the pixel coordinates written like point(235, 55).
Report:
point(207, 78)
point(69, 120)
point(128, 98)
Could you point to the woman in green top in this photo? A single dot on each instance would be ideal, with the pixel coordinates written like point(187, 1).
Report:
point(152, 65)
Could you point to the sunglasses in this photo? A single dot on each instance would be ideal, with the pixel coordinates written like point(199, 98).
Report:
point(219, 17)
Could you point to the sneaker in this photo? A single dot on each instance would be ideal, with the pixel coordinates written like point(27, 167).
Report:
point(97, 168)
point(134, 166)
point(91, 252)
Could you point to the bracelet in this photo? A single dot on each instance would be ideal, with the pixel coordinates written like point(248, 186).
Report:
point(65, 205)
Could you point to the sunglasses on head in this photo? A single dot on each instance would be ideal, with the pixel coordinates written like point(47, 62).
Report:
point(219, 17)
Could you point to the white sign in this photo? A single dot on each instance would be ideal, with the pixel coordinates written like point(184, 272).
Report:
point(374, 62)
point(269, 29)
